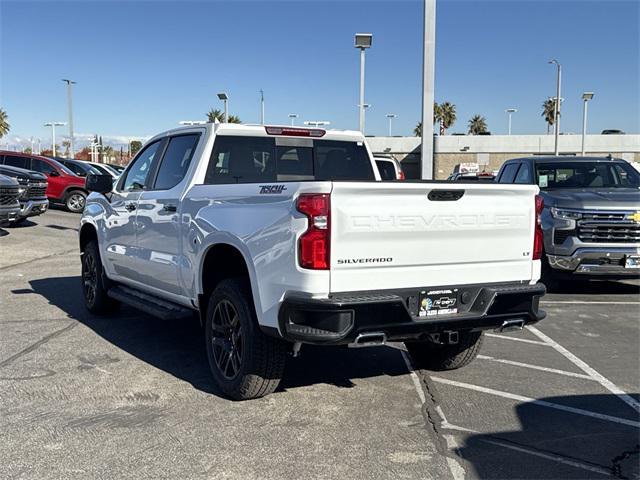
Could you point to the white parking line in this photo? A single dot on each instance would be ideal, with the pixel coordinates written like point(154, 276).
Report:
point(536, 367)
point(548, 456)
point(541, 403)
point(516, 339)
point(606, 383)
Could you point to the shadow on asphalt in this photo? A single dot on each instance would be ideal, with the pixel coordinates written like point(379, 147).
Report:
point(597, 287)
point(603, 448)
point(177, 347)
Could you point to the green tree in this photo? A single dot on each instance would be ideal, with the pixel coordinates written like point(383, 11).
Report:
point(27, 150)
point(549, 112)
point(135, 146)
point(477, 125)
point(448, 117)
point(437, 118)
point(417, 131)
point(215, 114)
point(4, 123)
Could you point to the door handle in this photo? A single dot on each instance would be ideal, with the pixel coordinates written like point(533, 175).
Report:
point(130, 207)
point(170, 208)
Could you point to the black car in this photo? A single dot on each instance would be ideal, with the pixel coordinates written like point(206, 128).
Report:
point(9, 204)
point(33, 187)
point(80, 168)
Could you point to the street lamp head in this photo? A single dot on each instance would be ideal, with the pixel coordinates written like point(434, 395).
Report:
point(223, 96)
point(69, 81)
point(587, 95)
point(511, 110)
point(56, 124)
point(554, 61)
point(293, 115)
point(363, 40)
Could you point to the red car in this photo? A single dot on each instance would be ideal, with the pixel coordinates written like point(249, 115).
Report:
point(64, 186)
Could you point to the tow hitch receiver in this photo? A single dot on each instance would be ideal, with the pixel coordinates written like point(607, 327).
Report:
point(445, 338)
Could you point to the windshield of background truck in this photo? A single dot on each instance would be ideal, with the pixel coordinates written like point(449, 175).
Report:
point(586, 175)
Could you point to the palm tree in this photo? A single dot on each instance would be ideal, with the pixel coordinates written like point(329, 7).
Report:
point(437, 118)
point(215, 114)
point(4, 123)
point(447, 116)
point(549, 112)
point(67, 145)
point(477, 125)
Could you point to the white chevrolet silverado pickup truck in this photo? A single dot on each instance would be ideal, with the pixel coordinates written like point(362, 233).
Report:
point(280, 236)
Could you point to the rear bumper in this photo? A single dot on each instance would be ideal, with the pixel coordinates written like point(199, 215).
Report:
point(340, 318)
point(30, 208)
point(596, 261)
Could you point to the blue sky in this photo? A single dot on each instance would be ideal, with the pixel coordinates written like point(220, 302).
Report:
point(143, 66)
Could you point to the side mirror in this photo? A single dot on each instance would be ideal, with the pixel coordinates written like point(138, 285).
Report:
point(99, 183)
point(54, 173)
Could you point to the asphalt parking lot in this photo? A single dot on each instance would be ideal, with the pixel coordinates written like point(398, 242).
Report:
point(131, 396)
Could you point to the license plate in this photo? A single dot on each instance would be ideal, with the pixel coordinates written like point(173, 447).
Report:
point(632, 262)
point(435, 303)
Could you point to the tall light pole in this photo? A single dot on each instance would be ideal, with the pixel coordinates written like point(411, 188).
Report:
point(70, 114)
point(391, 116)
point(586, 96)
point(293, 117)
point(362, 41)
point(53, 126)
point(509, 112)
point(556, 110)
point(225, 99)
point(428, 82)
point(261, 107)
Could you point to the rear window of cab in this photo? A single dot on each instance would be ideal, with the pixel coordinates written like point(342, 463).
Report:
point(242, 159)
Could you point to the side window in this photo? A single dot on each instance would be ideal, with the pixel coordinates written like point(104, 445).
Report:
point(524, 175)
point(175, 161)
point(136, 176)
point(41, 166)
point(20, 162)
point(386, 169)
point(509, 173)
point(241, 160)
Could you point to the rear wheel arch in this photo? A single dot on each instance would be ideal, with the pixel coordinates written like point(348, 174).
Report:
point(222, 261)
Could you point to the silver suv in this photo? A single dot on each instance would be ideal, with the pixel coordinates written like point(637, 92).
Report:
point(591, 217)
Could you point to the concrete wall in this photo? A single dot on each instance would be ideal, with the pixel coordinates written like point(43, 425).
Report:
point(450, 150)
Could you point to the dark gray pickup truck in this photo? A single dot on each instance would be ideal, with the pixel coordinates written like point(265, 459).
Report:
point(9, 204)
point(33, 186)
point(591, 216)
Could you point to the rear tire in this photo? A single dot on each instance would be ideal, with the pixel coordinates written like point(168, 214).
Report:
point(244, 362)
point(94, 290)
point(75, 201)
point(433, 356)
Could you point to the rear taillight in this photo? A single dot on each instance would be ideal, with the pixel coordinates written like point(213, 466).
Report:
point(538, 237)
point(315, 242)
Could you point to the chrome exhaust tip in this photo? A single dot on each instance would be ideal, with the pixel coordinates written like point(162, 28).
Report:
point(511, 325)
point(371, 339)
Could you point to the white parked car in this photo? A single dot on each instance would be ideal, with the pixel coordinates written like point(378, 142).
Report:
point(280, 236)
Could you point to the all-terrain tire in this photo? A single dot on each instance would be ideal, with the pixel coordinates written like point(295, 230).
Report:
point(244, 362)
point(433, 356)
point(94, 283)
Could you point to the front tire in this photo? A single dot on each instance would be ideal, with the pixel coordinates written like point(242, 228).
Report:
point(245, 363)
point(75, 201)
point(434, 356)
point(94, 290)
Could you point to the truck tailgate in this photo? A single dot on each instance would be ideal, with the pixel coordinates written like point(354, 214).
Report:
point(406, 235)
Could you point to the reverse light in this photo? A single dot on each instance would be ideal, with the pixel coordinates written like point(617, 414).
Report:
point(296, 132)
point(314, 244)
point(538, 236)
